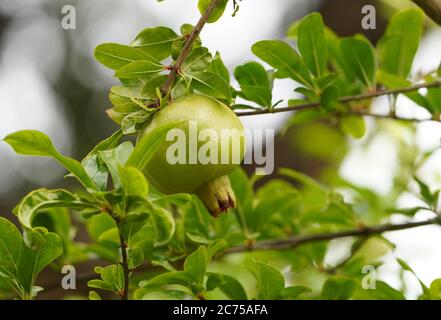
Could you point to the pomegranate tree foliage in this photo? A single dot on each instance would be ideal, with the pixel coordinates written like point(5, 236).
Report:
point(167, 246)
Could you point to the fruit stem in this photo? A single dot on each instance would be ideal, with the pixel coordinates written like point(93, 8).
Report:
point(217, 195)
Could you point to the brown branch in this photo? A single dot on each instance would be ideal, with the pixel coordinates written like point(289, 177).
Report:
point(295, 241)
point(285, 244)
point(176, 67)
point(125, 265)
point(347, 99)
point(432, 8)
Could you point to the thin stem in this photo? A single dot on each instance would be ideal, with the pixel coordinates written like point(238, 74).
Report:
point(176, 67)
point(125, 265)
point(296, 241)
point(347, 99)
point(285, 244)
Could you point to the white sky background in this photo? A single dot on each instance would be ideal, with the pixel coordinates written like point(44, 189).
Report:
point(31, 61)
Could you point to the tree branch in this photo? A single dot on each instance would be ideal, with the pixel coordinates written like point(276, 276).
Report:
point(432, 8)
point(175, 68)
point(347, 99)
point(125, 265)
point(296, 241)
point(285, 244)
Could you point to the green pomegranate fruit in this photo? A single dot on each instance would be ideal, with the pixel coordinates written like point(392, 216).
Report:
point(183, 167)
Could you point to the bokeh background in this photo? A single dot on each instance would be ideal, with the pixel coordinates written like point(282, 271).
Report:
point(49, 81)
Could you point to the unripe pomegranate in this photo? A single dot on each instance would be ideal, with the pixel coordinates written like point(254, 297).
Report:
point(206, 121)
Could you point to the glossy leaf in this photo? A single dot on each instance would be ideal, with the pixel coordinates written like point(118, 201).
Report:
point(40, 199)
point(115, 56)
point(139, 69)
point(217, 12)
point(196, 264)
point(338, 288)
point(358, 55)
point(230, 286)
point(198, 60)
point(312, 44)
point(217, 66)
point(156, 42)
point(284, 59)
point(270, 281)
point(211, 84)
point(36, 143)
point(113, 158)
point(400, 42)
point(21, 265)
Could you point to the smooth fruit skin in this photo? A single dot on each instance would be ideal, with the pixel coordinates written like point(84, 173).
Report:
point(206, 180)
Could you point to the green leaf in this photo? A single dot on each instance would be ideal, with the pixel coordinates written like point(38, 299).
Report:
point(36, 143)
point(10, 247)
point(329, 98)
point(218, 66)
point(39, 199)
point(285, 59)
point(196, 264)
point(93, 295)
point(435, 290)
point(132, 92)
point(133, 182)
point(338, 288)
point(113, 158)
point(400, 42)
point(312, 44)
point(150, 88)
point(252, 73)
point(425, 192)
point(434, 99)
point(254, 83)
point(382, 291)
point(198, 60)
point(115, 56)
point(32, 262)
point(270, 281)
point(259, 94)
point(211, 84)
point(358, 55)
point(156, 42)
point(139, 69)
point(21, 265)
point(175, 277)
point(130, 123)
point(164, 225)
point(293, 292)
point(135, 257)
point(93, 164)
point(406, 267)
point(147, 146)
point(112, 278)
point(217, 12)
point(354, 126)
point(230, 286)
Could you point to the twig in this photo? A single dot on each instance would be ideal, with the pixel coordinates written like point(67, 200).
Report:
point(175, 68)
point(347, 99)
point(432, 8)
point(295, 241)
point(285, 244)
point(125, 265)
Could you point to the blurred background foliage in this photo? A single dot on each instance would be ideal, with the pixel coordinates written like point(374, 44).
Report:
point(50, 81)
